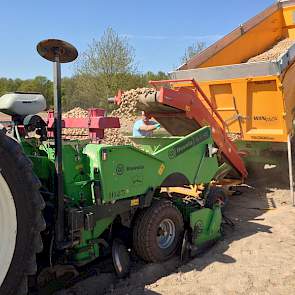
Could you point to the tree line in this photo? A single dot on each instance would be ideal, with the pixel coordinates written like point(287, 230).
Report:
point(80, 90)
point(107, 65)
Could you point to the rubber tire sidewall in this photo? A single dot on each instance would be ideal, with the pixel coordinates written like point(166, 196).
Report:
point(164, 254)
point(148, 228)
point(21, 192)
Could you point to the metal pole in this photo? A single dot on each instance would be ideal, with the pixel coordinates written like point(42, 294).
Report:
point(290, 170)
point(58, 150)
point(58, 51)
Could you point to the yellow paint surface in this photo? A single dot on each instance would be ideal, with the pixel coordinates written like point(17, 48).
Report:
point(260, 108)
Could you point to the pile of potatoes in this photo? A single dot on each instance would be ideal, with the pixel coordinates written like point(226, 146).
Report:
point(127, 112)
point(75, 133)
point(274, 53)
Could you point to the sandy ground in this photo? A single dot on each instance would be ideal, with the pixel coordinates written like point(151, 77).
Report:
point(254, 257)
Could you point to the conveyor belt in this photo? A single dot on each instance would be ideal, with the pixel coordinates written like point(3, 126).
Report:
point(183, 110)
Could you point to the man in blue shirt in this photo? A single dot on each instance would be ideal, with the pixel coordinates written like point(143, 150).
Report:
point(145, 126)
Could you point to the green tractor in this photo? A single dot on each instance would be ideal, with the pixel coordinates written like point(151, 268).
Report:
point(75, 201)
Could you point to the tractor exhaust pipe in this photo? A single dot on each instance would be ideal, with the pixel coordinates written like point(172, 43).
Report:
point(58, 51)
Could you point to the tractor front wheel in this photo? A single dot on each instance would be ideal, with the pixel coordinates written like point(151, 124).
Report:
point(20, 218)
point(158, 232)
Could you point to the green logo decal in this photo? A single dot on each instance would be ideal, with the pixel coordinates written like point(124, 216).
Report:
point(187, 144)
point(172, 153)
point(120, 169)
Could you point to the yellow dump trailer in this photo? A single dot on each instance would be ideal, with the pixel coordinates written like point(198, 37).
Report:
point(255, 99)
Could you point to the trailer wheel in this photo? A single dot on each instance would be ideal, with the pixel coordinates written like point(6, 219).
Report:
point(158, 232)
point(20, 218)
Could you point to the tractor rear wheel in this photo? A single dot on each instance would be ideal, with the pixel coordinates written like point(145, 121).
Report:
point(158, 232)
point(20, 218)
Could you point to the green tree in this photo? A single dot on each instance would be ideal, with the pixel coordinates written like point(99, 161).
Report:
point(105, 67)
point(192, 50)
point(68, 92)
point(150, 76)
point(9, 85)
point(38, 84)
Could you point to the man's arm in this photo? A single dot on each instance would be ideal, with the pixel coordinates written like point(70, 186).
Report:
point(148, 127)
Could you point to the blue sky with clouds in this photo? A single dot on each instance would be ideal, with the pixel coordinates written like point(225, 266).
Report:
point(158, 30)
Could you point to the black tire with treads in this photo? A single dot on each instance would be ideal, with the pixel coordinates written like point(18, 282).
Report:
point(146, 228)
point(17, 172)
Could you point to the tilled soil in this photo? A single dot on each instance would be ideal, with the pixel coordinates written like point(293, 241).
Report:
point(273, 53)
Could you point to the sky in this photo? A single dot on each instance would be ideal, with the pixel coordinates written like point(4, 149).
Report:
point(159, 31)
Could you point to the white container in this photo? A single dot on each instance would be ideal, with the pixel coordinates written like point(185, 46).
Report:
point(20, 103)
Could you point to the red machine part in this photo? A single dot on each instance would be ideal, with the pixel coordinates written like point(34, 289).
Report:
point(96, 122)
point(118, 97)
point(196, 105)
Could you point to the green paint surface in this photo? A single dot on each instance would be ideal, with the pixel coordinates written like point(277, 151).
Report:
point(206, 224)
point(125, 171)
